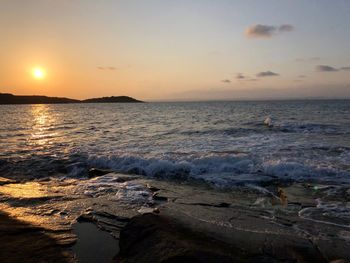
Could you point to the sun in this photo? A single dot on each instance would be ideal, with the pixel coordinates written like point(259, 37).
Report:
point(38, 73)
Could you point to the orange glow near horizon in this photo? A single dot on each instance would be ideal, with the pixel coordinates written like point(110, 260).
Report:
point(88, 49)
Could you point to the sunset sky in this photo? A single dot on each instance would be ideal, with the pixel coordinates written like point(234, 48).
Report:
point(176, 49)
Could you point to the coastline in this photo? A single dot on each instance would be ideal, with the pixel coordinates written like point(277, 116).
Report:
point(165, 221)
point(10, 99)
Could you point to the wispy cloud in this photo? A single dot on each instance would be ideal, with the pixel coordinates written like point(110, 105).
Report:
point(326, 68)
point(267, 31)
point(267, 74)
point(243, 77)
point(106, 68)
point(260, 31)
point(240, 76)
point(302, 76)
point(310, 59)
point(285, 28)
point(226, 81)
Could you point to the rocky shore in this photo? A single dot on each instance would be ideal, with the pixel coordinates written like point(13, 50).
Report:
point(162, 221)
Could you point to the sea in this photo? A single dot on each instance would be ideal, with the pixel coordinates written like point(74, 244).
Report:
point(223, 144)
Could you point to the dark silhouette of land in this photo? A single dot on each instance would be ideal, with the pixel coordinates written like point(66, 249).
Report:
point(7, 98)
point(112, 99)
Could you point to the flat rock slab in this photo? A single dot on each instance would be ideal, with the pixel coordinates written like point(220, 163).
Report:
point(194, 223)
point(153, 238)
point(22, 242)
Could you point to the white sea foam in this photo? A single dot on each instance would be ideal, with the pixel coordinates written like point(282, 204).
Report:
point(128, 192)
point(268, 122)
point(220, 171)
point(175, 168)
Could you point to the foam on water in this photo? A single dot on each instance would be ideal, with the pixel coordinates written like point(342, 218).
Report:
point(222, 143)
point(129, 192)
point(220, 171)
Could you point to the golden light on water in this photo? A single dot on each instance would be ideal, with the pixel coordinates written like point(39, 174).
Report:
point(43, 121)
point(38, 73)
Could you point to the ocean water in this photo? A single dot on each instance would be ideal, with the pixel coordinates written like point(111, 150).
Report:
point(221, 143)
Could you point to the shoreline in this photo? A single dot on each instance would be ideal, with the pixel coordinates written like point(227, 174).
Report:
point(168, 220)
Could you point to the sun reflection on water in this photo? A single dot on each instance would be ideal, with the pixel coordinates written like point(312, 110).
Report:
point(43, 123)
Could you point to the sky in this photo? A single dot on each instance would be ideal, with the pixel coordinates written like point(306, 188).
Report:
point(176, 49)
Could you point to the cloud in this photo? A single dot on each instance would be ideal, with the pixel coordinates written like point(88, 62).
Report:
point(260, 31)
point(106, 68)
point(302, 76)
point(243, 77)
point(325, 68)
point(310, 59)
point(226, 81)
point(267, 74)
point(267, 31)
point(240, 76)
point(285, 28)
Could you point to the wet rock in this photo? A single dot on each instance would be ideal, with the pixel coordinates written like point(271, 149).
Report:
point(145, 210)
point(152, 188)
point(22, 242)
point(4, 181)
point(340, 261)
point(152, 238)
point(94, 172)
point(158, 197)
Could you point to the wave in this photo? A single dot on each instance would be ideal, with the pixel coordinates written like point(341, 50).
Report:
point(220, 169)
point(250, 128)
point(316, 128)
point(174, 168)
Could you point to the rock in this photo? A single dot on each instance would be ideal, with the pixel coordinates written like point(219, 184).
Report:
point(94, 172)
point(340, 261)
point(152, 188)
point(148, 210)
point(23, 242)
point(157, 197)
point(152, 238)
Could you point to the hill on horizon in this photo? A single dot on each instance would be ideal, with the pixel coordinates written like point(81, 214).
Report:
point(8, 98)
point(111, 99)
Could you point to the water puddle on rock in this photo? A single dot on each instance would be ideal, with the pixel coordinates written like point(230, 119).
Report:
point(94, 245)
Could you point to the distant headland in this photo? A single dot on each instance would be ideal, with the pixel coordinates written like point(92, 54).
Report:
point(7, 98)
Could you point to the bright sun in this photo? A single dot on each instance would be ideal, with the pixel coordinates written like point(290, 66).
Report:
point(38, 73)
